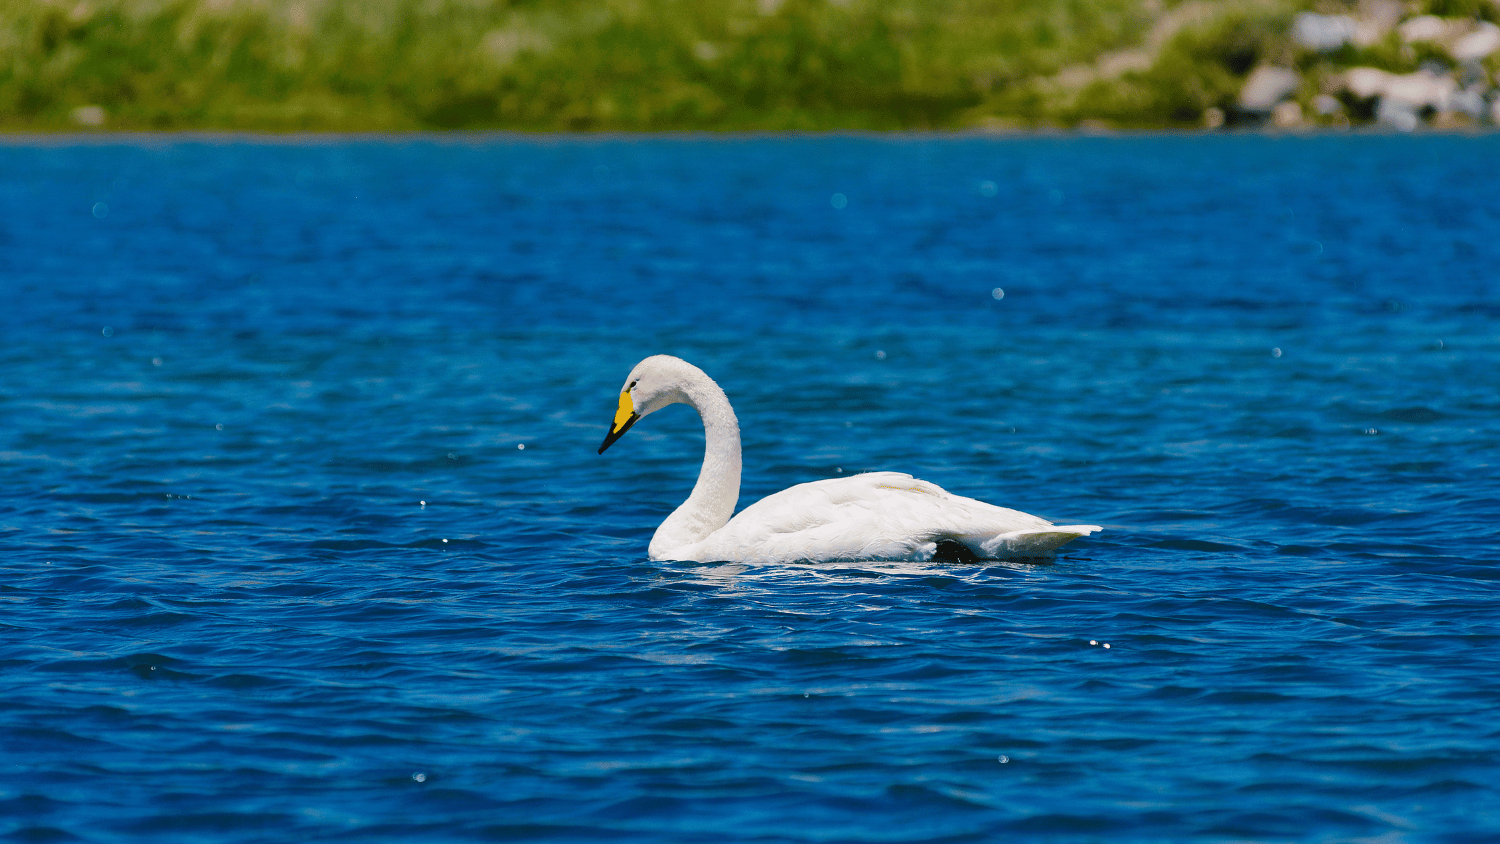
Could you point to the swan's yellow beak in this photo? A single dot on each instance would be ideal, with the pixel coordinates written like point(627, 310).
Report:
point(624, 418)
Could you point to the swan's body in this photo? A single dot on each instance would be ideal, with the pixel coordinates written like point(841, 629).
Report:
point(874, 516)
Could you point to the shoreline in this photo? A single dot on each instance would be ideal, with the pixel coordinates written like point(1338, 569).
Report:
point(461, 136)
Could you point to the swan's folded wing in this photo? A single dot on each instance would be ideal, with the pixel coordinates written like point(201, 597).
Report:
point(877, 516)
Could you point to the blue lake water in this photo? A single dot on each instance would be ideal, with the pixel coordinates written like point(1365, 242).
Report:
point(234, 369)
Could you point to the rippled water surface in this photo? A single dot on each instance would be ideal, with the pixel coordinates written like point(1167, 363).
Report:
point(234, 370)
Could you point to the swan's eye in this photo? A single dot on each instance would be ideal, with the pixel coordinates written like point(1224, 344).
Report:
point(631, 386)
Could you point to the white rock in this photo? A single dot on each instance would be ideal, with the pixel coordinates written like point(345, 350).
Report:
point(1423, 89)
point(1376, 18)
point(1120, 63)
point(1366, 82)
point(89, 115)
point(1268, 86)
point(1477, 45)
point(1287, 114)
point(1423, 28)
point(1323, 32)
point(1075, 76)
point(1368, 34)
point(504, 46)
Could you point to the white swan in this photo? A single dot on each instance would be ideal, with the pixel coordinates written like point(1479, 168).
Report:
point(873, 516)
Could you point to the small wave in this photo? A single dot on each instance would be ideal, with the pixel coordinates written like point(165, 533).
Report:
point(1416, 415)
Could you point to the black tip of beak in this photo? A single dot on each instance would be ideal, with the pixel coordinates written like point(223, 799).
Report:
point(609, 439)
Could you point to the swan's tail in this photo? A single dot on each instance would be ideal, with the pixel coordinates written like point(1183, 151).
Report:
point(1028, 544)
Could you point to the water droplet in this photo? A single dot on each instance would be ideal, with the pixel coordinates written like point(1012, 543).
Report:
point(101, 210)
point(1276, 353)
point(838, 201)
point(1438, 344)
point(445, 540)
point(153, 668)
point(520, 446)
point(452, 456)
point(419, 777)
point(1093, 642)
point(997, 293)
point(880, 355)
point(805, 694)
point(423, 503)
point(838, 470)
point(156, 361)
point(1372, 431)
point(219, 426)
point(108, 332)
point(988, 189)
point(1004, 760)
point(1106, 646)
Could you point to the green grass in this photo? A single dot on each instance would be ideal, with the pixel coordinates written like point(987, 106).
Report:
point(624, 65)
point(280, 65)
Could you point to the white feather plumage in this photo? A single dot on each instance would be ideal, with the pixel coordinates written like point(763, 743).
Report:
point(873, 516)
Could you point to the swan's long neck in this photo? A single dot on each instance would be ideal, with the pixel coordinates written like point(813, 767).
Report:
point(718, 487)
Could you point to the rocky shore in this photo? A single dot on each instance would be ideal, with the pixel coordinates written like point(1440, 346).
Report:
point(1352, 68)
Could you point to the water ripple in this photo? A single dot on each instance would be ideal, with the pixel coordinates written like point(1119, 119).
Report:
point(297, 581)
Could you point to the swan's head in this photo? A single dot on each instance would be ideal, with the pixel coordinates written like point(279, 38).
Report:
point(655, 382)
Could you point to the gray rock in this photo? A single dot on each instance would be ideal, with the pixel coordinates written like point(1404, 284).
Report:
point(1397, 115)
point(1470, 101)
point(1326, 106)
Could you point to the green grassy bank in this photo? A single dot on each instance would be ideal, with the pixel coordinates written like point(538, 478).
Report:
point(375, 65)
